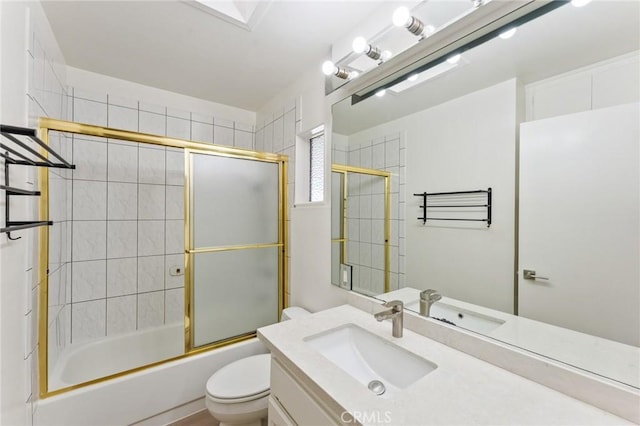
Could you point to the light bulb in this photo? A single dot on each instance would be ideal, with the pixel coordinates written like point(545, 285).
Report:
point(359, 44)
point(428, 30)
point(453, 59)
point(413, 77)
point(353, 74)
point(328, 68)
point(580, 3)
point(381, 93)
point(508, 34)
point(386, 55)
point(401, 17)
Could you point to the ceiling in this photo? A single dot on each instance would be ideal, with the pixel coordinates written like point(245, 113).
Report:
point(562, 40)
point(177, 47)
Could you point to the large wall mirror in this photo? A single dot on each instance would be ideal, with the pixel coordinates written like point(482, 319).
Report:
point(548, 117)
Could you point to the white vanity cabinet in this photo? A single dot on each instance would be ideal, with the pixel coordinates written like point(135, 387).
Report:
point(292, 403)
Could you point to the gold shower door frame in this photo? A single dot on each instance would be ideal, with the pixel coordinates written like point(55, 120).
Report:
point(48, 124)
point(343, 240)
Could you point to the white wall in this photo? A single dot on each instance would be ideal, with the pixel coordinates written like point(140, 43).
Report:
point(310, 225)
point(32, 84)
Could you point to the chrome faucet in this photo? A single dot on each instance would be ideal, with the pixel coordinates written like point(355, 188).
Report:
point(427, 298)
point(395, 313)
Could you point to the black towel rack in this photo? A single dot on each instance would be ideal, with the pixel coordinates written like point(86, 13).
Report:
point(434, 200)
point(18, 152)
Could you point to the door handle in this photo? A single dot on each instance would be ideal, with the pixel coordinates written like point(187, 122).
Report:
point(530, 274)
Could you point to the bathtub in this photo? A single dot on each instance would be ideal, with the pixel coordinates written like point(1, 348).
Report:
point(136, 396)
point(80, 363)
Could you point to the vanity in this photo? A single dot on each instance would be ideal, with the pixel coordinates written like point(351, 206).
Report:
point(323, 367)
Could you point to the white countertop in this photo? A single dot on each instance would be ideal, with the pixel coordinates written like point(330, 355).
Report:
point(605, 357)
point(463, 390)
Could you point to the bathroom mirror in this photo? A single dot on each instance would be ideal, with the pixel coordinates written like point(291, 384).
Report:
point(547, 117)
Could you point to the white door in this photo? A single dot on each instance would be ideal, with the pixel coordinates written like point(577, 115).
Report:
point(579, 222)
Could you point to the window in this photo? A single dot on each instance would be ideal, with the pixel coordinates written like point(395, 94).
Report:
point(316, 168)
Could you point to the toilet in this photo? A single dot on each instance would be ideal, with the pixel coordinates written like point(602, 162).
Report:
point(238, 393)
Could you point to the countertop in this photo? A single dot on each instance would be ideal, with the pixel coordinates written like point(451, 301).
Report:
point(463, 390)
point(605, 357)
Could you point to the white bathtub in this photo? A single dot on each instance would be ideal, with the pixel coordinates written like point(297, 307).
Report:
point(83, 362)
point(136, 396)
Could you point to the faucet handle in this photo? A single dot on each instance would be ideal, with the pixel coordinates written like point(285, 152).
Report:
point(397, 305)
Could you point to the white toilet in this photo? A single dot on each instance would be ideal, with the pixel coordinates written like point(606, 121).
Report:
point(238, 393)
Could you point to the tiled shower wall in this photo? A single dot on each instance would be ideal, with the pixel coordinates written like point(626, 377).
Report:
point(128, 214)
point(365, 211)
point(277, 134)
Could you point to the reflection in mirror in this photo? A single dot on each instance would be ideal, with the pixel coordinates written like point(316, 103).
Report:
point(360, 226)
point(549, 119)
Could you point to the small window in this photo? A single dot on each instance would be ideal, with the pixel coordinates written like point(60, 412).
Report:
point(316, 168)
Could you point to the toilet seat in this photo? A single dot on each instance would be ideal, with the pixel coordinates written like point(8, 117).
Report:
point(246, 379)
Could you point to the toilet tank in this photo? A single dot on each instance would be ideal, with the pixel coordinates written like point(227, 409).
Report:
point(293, 312)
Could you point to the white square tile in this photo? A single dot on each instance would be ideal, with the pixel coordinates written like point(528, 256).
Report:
point(90, 159)
point(121, 315)
point(175, 168)
point(278, 135)
point(151, 201)
point(89, 200)
point(175, 202)
point(123, 118)
point(150, 309)
point(186, 115)
point(223, 122)
point(122, 276)
point(157, 109)
point(121, 238)
point(289, 130)
point(201, 132)
point(393, 240)
point(365, 157)
point(152, 123)
point(393, 257)
point(365, 254)
point(365, 207)
point(353, 229)
point(259, 145)
point(150, 238)
point(392, 153)
point(174, 306)
point(178, 128)
point(377, 206)
point(222, 136)
point(365, 230)
point(121, 101)
point(377, 280)
point(89, 112)
point(365, 277)
point(151, 165)
point(353, 207)
point(208, 119)
point(150, 273)
point(175, 237)
point(377, 256)
point(89, 280)
point(89, 320)
point(172, 262)
point(89, 240)
point(377, 156)
point(89, 95)
point(122, 203)
point(377, 231)
point(354, 158)
point(243, 140)
point(123, 163)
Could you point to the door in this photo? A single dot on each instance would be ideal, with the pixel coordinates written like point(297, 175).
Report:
point(579, 222)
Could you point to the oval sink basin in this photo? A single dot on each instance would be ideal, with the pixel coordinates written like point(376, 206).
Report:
point(368, 357)
point(460, 317)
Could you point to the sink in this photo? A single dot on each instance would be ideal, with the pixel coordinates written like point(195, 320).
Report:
point(371, 359)
point(464, 318)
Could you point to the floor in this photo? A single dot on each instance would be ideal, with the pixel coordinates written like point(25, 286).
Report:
point(203, 418)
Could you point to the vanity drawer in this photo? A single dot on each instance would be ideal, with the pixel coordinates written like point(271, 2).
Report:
point(296, 401)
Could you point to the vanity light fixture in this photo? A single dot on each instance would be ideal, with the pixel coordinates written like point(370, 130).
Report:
point(403, 18)
point(508, 33)
point(360, 45)
point(329, 68)
point(580, 3)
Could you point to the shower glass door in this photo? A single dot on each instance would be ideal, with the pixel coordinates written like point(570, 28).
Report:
point(235, 246)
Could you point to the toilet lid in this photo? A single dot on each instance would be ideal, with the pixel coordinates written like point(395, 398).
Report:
point(241, 379)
